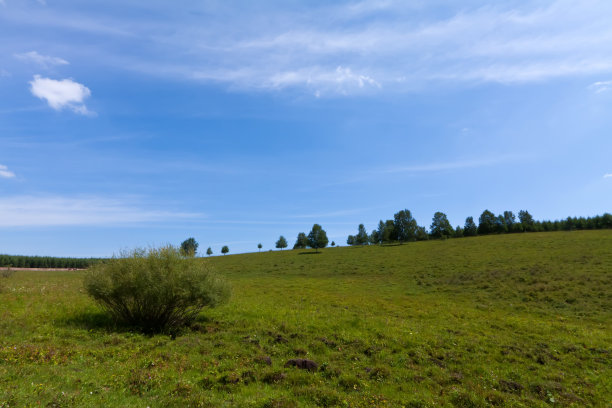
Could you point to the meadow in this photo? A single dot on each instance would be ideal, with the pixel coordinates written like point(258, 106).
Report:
point(501, 320)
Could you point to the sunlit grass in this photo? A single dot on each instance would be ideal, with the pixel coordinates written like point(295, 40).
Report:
point(512, 320)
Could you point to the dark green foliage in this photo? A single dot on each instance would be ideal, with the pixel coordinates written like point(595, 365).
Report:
point(470, 229)
point(333, 243)
point(209, 251)
point(189, 247)
point(362, 236)
point(317, 238)
point(440, 227)
point(405, 226)
point(526, 220)
point(510, 221)
point(500, 225)
point(373, 237)
point(259, 246)
point(458, 232)
point(155, 290)
point(421, 234)
point(225, 249)
point(389, 232)
point(486, 222)
point(19, 261)
point(281, 243)
point(350, 240)
point(301, 242)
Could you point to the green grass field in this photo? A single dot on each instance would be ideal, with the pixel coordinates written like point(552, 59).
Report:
point(509, 320)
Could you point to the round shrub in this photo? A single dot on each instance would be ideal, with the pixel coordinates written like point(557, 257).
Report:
point(155, 290)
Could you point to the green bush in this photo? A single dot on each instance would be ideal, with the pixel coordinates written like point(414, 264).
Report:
point(155, 290)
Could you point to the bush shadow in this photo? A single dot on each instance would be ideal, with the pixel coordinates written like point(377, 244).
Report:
point(309, 253)
point(96, 320)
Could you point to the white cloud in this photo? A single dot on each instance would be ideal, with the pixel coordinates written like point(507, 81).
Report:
point(455, 165)
point(5, 173)
point(45, 61)
point(356, 46)
point(61, 94)
point(602, 86)
point(609, 175)
point(33, 211)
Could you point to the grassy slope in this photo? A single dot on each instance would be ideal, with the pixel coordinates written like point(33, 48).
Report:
point(513, 320)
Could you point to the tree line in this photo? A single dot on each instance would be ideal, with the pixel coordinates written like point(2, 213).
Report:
point(22, 261)
point(404, 228)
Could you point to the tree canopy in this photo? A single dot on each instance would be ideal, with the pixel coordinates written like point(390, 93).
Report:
point(224, 250)
point(440, 226)
point(301, 242)
point(317, 238)
point(281, 243)
point(405, 226)
point(189, 247)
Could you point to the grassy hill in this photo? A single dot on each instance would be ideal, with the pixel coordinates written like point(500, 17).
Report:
point(508, 320)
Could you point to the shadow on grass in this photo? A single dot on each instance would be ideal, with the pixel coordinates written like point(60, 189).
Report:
point(93, 320)
point(99, 320)
point(309, 253)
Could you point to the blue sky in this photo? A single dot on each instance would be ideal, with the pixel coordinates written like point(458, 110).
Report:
point(134, 123)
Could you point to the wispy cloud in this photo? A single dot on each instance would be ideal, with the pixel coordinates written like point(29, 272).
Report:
point(353, 47)
point(36, 211)
point(608, 175)
point(452, 165)
point(45, 61)
point(61, 94)
point(5, 173)
point(601, 86)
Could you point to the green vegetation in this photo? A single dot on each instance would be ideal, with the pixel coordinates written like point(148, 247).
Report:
point(504, 320)
point(155, 290)
point(189, 247)
point(281, 243)
point(20, 261)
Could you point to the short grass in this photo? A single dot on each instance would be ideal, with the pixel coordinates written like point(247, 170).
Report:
point(509, 320)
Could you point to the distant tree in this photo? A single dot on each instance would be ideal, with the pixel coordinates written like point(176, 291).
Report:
point(317, 238)
point(301, 242)
point(510, 220)
point(421, 234)
point(224, 250)
point(333, 244)
point(380, 232)
point(189, 247)
point(350, 240)
point(500, 225)
point(281, 243)
point(362, 236)
point(458, 232)
point(486, 222)
point(209, 251)
point(405, 226)
point(390, 231)
point(440, 227)
point(259, 246)
point(526, 220)
point(470, 229)
point(373, 237)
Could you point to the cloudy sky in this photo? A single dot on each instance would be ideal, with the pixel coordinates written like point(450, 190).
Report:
point(135, 123)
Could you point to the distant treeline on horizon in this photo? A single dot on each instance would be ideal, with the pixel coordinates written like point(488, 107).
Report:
point(404, 228)
point(24, 261)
